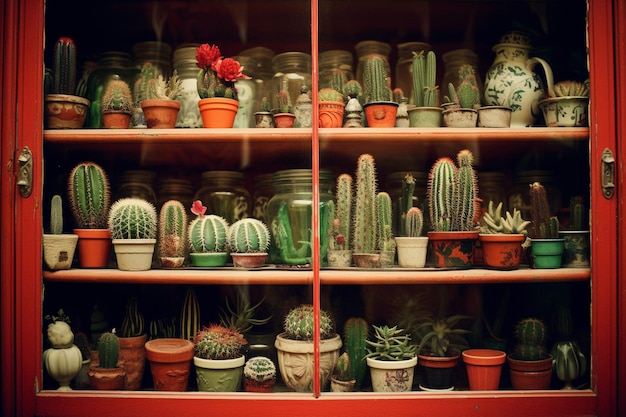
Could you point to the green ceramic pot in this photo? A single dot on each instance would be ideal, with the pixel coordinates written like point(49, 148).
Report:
point(547, 253)
point(207, 259)
point(219, 375)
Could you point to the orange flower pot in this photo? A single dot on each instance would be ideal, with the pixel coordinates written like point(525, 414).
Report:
point(502, 251)
point(218, 112)
point(381, 114)
point(94, 246)
point(160, 113)
point(284, 119)
point(116, 120)
point(484, 367)
point(170, 363)
point(331, 113)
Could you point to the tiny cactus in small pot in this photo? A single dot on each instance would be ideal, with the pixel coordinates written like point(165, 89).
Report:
point(207, 236)
point(339, 253)
point(342, 380)
point(530, 348)
point(391, 350)
point(365, 228)
point(380, 110)
point(108, 350)
point(172, 238)
point(259, 374)
point(464, 100)
point(283, 115)
point(264, 117)
point(117, 105)
point(412, 245)
point(107, 374)
point(502, 238)
point(546, 246)
point(58, 248)
point(160, 108)
point(248, 240)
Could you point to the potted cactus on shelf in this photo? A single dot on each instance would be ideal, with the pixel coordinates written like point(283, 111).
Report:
point(58, 248)
point(331, 107)
point(117, 105)
point(380, 109)
point(107, 375)
point(341, 380)
point(424, 110)
point(452, 201)
point(264, 118)
point(283, 116)
point(339, 253)
point(576, 243)
point(391, 352)
point(365, 227)
point(131, 341)
point(530, 363)
point(207, 236)
point(386, 241)
point(259, 374)
point(412, 245)
point(89, 199)
point(295, 348)
point(460, 109)
point(248, 241)
point(133, 227)
point(546, 246)
point(355, 333)
point(172, 237)
point(160, 108)
point(566, 105)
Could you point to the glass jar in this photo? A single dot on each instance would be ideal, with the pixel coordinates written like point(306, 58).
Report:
point(184, 63)
point(224, 193)
point(175, 189)
point(137, 184)
point(263, 72)
point(263, 192)
point(290, 209)
point(366, 48)
point(332, 62)
point(404, 64)
point(292, 71)
point(246, 93)
point(453, 60)
point(492, 187)
point(394, 188)
point(519, 197)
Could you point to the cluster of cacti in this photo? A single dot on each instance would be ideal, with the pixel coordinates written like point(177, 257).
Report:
point(329, 94)
point(365, 227)
point(108, 350)
point(260, 369)
point(89, 194)
point(64, 67)
point(386, 242)
point(468, 92)
point(452, 193)
point(218, 342)
point(414, 222)
point(530, 334)
point(390, 344)
point(189, 315)
point(133, 323)
point(172, 229)
point(355, 333)
point(424, 70)
point(132, 218)
point(577, 214)
point(406, 201)
point(543, 224)
point(376, 80)
point(338, 82)
point(248, 236)
point(159, 88)
point(162, 328)
point(117, 97)
point(298, 324)
point(208, 234)
point(570, 89)
point(56, 215)
point(492, 221)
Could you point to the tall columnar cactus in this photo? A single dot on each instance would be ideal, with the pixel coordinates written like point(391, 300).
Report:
point(414, 222)
point(543, 224)
point(424, 70)
point(218, 342)
point(353, 89)
point(108, 350)
point(465, 193)
point(441, 187)
point(343, 210)
point(56, 215)
point(140, 90)
point(467, 90)
point(189, 315)
point(248, 236)
point(172, 229)
point(376, 80)
point(530, 334)
point(338, 82)
point(406, 200)
point(64, 68)
point(577, 214)
point(89, 194)
point(355, 333)
point(365, 228)
point(208, 234)
point(133, 218)
point(298, 324)
point(133, 324)
point(386, 242)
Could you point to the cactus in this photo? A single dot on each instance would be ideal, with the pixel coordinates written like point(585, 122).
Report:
point(284, 101)
point(117, 97)
point(424, 70)
point(218, 342)
point(577, 214)
point(414, 222)
point(464, 199)
point(376, 80)
point(189, 315)
point(338, 82)
point(56, 215)
point(162, 328)
point(132, 218)
point(108, 350)
point(248, 236)
point(208, 234)
point(140, 90)
point(298, 324)
point(406, 200)
point(440, 192)
point(64, 68)
point(492, 222)
point(365, 228)
point(89, 195)
point(543, 224)
point(467, 90)
point(342, 371)
point(329, 94)
point(355, 333)
point(260, 369)
point(133, 323)
point(340, 227)
point(353, 89)
point(386, 241)
point(172, 229)
point(530, 334)
point(265, 105)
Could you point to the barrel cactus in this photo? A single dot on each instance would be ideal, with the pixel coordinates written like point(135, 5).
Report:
point(298, 324)
point(218, 342)
point(530, 334)
point(133, 218)
point(248, 236)
point(172, 230)
point(108, 350)
point(207, 233)
point(89, 195)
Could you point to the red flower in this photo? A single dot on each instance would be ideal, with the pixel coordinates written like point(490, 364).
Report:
point(198, 209)
point(207, 56)
point(229, 70)
point(341, 239)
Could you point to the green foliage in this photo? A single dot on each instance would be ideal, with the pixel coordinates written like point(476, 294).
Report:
point(89, 195)
point(189, 315)
point(438, 335)
point(406, 200)
point(342, 368)
point(530, 335)
point(208, 234)
point(376, 80)
point(248, 236)
point(56, 215)
point(353, 89)
point(133, 323)
point(492, 222)
point(218, 342)
point(468, 91)
point(132, 218)
point(108, 350)
point(64, 67)
point(172, 229)
point(284, 101)
point(424, 70)
point(365, 220)
point(140, 90)
point(343, 213)
point(117, 97)
point(242, 316)
point(386, 241)
point(390, 344)
point(543, 224)
point(298, 323)
point(355, 333)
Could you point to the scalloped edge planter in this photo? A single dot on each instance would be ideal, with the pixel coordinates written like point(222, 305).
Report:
point(392, 376)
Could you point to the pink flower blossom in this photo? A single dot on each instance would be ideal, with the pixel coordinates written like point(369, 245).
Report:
point(198, 209)
point(230, 70)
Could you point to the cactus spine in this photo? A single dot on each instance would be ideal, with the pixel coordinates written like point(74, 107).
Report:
point(218, 342)
point(365, 228)
point(464, 198)
point(172, 229)
point(343, 209)
point(64, 76)
point(467, 91)
point(248, 236)
point(440, 191)
point(299, 323)
point(189, 315)
point(89, 195)
point(133, 218)
point(406, 200)
point(376, 80)
point(133, 323)
point(208, 234)
point(56, 215)
point(355, 333)
point(425, 92)
point(386, 241)
point(543, 224)
point(414, 222)
point(530, 334)
point(108, 350)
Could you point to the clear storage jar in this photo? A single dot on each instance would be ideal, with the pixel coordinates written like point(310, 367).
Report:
point(184, 63)
point(224, 193)
point(292, 71)
point(404, 65)
point(366, 48)
point(332, 62)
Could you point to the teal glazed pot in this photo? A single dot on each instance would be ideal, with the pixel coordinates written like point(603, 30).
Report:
point(547, 253)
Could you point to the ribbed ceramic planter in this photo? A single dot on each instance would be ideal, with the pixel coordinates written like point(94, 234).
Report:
point(484, 367)
point(392, 376)
point(331, 113)
point(547, 253)
point(219, 375)
point(530, 374)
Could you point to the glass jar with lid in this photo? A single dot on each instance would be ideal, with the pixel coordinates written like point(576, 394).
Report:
point(137, 184)
point(453, 60)
point(370, 47)
point(292, 71)
point(263, 192)
point(224, 193)
point(332, 62)
point(289, 214)
point(263, 72)
point(246, 93)
point(184, 63)
point(403, 70)
point(519, 196)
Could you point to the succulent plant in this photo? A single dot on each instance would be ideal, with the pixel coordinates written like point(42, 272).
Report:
point(56, 215)
point(414, 222)
point(133, 323)
point(386, 242)
point(570, 88)
point(390, 344)
point(298, 324)
point(242, 316)
point(424, 70)
point(530, 336)
point(207, 233)
point(248, 236)
point(259, 369)
point(543, 224)
point(64, 67)
point(577, 214)
point(365, 227)
point(89, 195)
point(132, 218)
point(492, 222)
point(438, 334)
point(468, 92)
point(355, 333)
point(338, 82)
point(342, 370)
point(108, 350)
point(189, 315)
point(329, 94)
point(117, 97)
point(159, 88)
point(172, 229)
point(218, 342)
point(376, 80)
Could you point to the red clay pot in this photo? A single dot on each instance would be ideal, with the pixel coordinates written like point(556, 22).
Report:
point(106, 378)
point(160, 113)
point(170, 363)
point(502, 251)
point(116, 120)
point(133, 360)
point(94, 246)
point(484, 367)
point(331, 113)
point(284, 119)
point(530, 374)
point(381, 114)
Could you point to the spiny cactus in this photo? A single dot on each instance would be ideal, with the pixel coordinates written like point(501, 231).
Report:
point(355, 333)
point(424, 70)
point(329, 94)
point(577, 214)
point(343, 210)
point(218, 342)
point(338, 82)
point(248, 236)
point(376, 80)
point(133, 218)
point(108, 350)
point(530, 334)
point(189, 315)
point(299, 323)
point(160, 88)
point(467, 90)
point(172, 229)
point(466, 191)
point(414, 222)
point(365, 227)
point(441, 186)
point(406, 200)
point(386, 241)
point(260, 369)
point(353, 89)
point(284, 101)
point(133, 323)
point(117, 97)
point(89, 195)
point(208, 234)
point(64, 67)
point(543, 224)
point(56, 215)
point(140, 90)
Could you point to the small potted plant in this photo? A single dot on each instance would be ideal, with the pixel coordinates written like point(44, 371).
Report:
point(295, 348)
point(133, 227)
point(365, 228)
point(342, 380)
point(284, 116)
point(259, 374)
point(391, 358)
point(576, 244)
point(264, 118)
point(58, 248)
point(412, 245)
point(117, 105)
point(566, 105)
point(339, 253)
point(218, 358)
point(172, 234)
point(107, 375)
point(545, 244)
point(248, 241)
point(426, 111)
point(207, 237)
point(530, 364)
point(355, 334)
point(160, 108)
point(380, 109)
point(460, 107)
point(63, 360)
point(131, 341)
point(331, 107)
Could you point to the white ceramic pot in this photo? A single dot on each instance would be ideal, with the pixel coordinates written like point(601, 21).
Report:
point(58, 250)
point(392, 376)
point(412, 251)
point(134, 254)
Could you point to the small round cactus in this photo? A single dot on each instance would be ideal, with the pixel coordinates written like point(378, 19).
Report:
point(531, 339)
point(132, 218)
point(218, 342)
point(248, 236)
point(299, 323)
point(260, 369)
point(208, 233)
point(108, 350)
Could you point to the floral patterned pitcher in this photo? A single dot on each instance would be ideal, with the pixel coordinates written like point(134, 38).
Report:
point(511, 82)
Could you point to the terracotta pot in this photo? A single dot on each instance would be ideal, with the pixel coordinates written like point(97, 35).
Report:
point(437, 373)
point(547, 253)
point(249, 260)
point(64, 111)
point(133, 359)
point(170, 363)
point(251, 385)
point(94, 246)
point(530, 374)
point(367, 260)
point(331, 113)
point(284, 119)
point(209, 259)
point(58, 250)
point(116, 120)
point(134, 254)
point(494, 116)
point(219, 375)
point(160, 113)
point(502, 251)
point(218, 112)
point(392, 376)
point(452, 249)
point(381, 114)
point(484, 367)
point(106, 378)
point(424, 116)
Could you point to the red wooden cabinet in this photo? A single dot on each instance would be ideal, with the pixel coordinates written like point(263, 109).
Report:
point(24, 280)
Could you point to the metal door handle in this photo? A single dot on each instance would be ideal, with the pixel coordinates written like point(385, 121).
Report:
point(25, 174)
point(608, 174)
